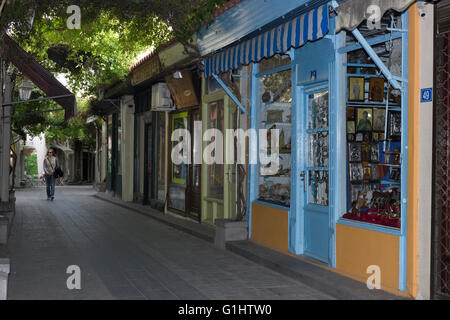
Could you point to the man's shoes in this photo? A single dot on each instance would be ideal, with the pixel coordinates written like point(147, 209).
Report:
point(53, 198)
point(48, 199)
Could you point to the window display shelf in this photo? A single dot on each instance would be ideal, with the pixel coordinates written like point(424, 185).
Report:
point(370, 226)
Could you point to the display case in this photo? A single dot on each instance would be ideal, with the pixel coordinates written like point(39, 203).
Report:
point(373, 146)
point(276, 114)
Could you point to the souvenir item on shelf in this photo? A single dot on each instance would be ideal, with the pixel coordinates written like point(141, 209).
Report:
point(395, 175)
point(351, 137)
point(395, 125)
point(381, 137)
point(354, 152)
point(356, 89)
point(376, 89)
point(364, 119)
point(350, 113)
point(359, 137)
point(379, 116)
point(367, 174)
point(374, 172)
point(365, 152)
point(351, 127)
point(375, 136)
point(367, 137)
point(356, 172)
point(355, 189)
point(375, 152)
point(395, 95)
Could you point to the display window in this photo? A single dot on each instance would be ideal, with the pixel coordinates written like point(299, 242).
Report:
point(161, 160)
point(216, 170)
point(276, 113)
point(318, 143)
point(374, 135)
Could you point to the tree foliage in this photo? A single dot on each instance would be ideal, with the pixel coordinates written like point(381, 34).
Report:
point(113, 33)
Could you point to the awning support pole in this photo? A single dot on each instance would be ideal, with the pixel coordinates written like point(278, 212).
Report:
point(228, 91)
point(376, 59)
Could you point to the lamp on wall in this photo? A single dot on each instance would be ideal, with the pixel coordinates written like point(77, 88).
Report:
point(25, 89)
point(178, 75)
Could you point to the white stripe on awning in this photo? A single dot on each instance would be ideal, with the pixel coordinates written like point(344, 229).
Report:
point(310, 26)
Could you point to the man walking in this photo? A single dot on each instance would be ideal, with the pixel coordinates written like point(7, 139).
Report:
point(50, 165)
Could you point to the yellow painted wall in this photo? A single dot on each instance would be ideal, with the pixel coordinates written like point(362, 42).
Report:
point(270, 227)
point(357, 249)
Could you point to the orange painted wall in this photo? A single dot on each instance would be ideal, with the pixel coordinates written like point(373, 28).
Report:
point(357, 249)
point(270, 227)
point(413, 156)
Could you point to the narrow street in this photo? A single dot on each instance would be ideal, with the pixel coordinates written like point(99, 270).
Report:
point(125, 255)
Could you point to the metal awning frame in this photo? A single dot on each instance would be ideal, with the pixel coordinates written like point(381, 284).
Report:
point(230, 94)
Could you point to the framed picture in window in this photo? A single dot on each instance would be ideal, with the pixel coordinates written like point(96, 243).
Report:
point(379, 117)
point(354, 152)
point(395, 125)
point(351, 137)
point(351, 127)
point(356, 89)
point(375, 153)
point(364, 119)
point(356, 172)
point(376, 89)
point(350, 113)
point(365, 152)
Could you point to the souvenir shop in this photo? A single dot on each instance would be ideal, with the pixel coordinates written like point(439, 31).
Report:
point(337, 91)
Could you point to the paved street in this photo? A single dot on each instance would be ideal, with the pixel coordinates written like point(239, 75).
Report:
point(125, 255)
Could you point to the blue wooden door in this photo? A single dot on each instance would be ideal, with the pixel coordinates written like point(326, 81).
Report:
point(315, 173)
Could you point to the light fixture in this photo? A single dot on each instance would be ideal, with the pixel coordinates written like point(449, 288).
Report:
point(25, 89)
point(178, 75)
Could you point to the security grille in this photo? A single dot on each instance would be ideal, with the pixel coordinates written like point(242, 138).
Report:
point(441, 256)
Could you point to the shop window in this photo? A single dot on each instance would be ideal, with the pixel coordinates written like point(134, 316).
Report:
point(216, 170)
point(318, 144)
point(109, 141)
point(179, 121)
point(161, 159)
point(276, 113)
point(119, 144)
point(374, 132)
point(177, 189)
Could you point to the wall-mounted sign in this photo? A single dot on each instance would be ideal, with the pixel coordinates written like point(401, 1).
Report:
point(183, 90)
point(426, 95)
point(146, 71)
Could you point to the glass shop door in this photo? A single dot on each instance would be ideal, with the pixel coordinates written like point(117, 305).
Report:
point(315, 174)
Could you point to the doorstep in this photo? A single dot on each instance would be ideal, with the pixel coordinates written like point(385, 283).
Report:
point(319, 278)
point(4, 272)
point(310, 274)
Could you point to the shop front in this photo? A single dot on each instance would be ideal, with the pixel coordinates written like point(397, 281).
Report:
point(337, 93)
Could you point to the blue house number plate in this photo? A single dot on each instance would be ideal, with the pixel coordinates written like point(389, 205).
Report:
point(426, 95)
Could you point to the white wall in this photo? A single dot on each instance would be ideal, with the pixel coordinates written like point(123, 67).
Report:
point(425, 155)
point(127, 142)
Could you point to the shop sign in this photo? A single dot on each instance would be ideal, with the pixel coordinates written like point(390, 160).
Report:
point(146, 71)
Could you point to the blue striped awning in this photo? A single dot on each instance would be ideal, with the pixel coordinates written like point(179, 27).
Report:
point(310, 26)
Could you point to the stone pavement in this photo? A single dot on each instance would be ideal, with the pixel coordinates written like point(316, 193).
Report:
point(125, 255)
